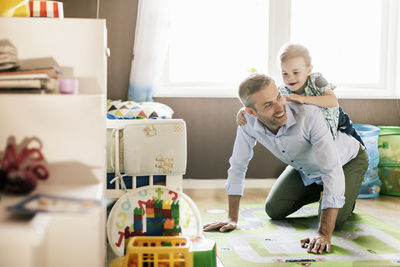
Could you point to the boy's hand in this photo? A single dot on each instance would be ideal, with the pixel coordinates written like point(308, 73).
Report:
point(240, 119)
point(294, 98)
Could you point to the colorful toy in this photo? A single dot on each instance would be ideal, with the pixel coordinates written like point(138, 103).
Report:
point(157, 251)
point(144, 221)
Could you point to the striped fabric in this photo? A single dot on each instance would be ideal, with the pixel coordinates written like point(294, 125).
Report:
point(51, 9)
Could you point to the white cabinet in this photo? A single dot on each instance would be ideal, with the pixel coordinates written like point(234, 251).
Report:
point(72, 131)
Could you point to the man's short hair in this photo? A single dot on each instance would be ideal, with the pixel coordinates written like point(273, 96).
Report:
point(252, 85)
point(291, 50)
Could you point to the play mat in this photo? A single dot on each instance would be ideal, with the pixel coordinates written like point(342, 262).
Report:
point(260, 241)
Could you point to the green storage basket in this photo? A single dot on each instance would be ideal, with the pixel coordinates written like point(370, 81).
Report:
point(389, 159)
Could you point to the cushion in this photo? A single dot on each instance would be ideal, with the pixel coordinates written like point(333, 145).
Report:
point(117, 109)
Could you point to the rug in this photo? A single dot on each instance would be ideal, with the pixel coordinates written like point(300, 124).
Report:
point(259, 241)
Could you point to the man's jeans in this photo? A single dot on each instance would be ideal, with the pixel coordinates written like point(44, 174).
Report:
point(289, 194)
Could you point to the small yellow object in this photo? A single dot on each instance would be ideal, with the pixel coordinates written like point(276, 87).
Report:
point(252, 70)
point(14, 8)
point(167, 204)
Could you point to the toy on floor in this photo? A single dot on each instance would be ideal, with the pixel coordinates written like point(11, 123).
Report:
point(158, 215)
point(157, 251)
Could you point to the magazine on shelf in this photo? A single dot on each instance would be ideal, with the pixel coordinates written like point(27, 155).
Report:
point(47, 84)
point(43, 63)
point(17, 74)
point(24, 76)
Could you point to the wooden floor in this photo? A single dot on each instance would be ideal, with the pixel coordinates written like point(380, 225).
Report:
point(385, 207)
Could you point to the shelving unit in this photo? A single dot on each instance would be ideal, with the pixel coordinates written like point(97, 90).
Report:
point(72, 133)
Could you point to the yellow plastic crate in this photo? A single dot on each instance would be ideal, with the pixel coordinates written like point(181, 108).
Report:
point(160, 251)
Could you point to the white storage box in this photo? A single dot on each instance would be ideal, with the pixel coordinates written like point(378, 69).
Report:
point(146, 148)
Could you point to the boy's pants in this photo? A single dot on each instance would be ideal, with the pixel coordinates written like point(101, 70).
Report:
point(289, 194)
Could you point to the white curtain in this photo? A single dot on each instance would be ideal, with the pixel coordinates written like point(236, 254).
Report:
point(150, 47)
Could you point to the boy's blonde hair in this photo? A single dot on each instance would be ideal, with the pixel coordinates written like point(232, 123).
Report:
point(291, 50)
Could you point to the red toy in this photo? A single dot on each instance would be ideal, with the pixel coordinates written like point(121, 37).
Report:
point(19, 172)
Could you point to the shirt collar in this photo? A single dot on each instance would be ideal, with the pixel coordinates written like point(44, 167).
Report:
point(290, 118)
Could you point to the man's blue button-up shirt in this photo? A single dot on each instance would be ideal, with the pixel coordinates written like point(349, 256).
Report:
point(304, 142)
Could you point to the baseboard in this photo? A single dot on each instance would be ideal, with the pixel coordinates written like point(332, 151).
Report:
point(220, 183)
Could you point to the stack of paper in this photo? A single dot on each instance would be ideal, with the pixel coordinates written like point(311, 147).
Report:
point(36, 73)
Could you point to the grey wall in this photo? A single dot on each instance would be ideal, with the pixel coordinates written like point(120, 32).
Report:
point(211, 130)
point(120, 18)
point(210, 122)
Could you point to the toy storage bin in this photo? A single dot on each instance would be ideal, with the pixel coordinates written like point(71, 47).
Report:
point(389, 159)
point(370, 187)
point(159, 251)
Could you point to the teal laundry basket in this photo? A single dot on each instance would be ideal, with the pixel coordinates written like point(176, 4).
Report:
point(371, 185)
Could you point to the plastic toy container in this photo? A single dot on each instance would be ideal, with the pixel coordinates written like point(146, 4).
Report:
point(370, 187)
point(158, 251)
point(389, 159)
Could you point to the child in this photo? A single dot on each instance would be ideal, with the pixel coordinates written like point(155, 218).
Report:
point(304, 87)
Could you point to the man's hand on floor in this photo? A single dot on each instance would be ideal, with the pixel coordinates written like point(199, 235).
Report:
point(317, 245)
point(223, 226)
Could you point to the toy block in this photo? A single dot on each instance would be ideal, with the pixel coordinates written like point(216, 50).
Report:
point(149, 221)
point(138, 211)
point(167, 204)
point(176, 219)
point(150, 203)
point(158, 210)
point(169, 224)
point(149, 212)
point(175, 209)
point(156, 231)
point(137, 224)
point(158, 204)
point(152, 225)
point(166, 213)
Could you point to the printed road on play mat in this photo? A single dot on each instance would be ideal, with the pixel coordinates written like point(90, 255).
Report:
point(260, 241)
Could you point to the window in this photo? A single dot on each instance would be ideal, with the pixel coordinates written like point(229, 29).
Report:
point(354, 43)
point(349, 44)
point(214, 44)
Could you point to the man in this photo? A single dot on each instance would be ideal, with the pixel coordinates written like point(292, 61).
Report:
point(299, 136)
